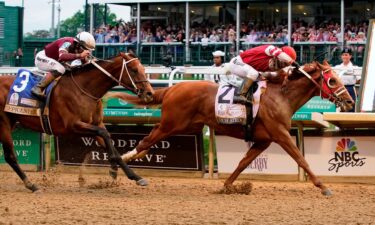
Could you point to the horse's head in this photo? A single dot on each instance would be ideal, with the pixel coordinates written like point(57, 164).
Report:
point(133, 77)
point(329, 85)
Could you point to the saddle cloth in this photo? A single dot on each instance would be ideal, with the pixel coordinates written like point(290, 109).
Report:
point(20, 99)
point(229, 113)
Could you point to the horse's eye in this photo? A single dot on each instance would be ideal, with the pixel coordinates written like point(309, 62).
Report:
point(332, 82)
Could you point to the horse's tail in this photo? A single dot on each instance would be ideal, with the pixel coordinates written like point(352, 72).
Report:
point(157, 97)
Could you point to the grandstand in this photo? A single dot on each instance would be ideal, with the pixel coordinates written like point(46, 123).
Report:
point(313, 27)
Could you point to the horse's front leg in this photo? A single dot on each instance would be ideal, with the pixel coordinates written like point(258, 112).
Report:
point(285, 141)
point(85, 128)
point(254, 151)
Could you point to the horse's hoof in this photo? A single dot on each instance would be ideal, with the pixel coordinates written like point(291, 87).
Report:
point(326, 192)
point(38, 192)
point(227, 189)
point(113, 173)
point(142, 182)
point(34, 188)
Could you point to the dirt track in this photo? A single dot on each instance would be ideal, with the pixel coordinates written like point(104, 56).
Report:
point(178, 201)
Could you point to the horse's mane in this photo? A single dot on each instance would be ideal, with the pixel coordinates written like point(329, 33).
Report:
point(87, 67)
point(296, 74)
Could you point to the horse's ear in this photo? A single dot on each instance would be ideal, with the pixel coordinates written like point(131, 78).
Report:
point(325, 62)
point(325, 65)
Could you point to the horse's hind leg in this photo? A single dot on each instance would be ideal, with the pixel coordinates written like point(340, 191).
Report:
point(9, 156)
point(254, 151)
point(143, 147)
point(287, 144)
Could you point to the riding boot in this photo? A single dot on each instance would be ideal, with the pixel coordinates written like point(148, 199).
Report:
point(37, 90)
point(242, 97)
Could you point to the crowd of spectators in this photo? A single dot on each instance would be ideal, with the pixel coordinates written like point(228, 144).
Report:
point(250, 32)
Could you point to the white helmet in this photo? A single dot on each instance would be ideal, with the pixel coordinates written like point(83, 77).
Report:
point(86, 40)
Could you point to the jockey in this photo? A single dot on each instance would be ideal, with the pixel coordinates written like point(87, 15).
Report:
point(265, 58)
point(65, 49)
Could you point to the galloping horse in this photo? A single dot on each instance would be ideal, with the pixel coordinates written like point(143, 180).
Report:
point(76, 107)
point(187, 106)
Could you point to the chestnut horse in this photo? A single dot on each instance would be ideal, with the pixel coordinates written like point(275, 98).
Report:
point(76, 107)
point(188, 106)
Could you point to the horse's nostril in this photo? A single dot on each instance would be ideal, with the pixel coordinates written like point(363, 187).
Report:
point(149, 93)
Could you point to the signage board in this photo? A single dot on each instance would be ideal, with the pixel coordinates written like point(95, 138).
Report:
point(27, 146)
point(274, 160)
point(346, 155)
point(317, 104)
point(180, 152)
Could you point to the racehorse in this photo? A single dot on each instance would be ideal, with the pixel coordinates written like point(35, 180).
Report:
point(76, 107)
point(188, 106)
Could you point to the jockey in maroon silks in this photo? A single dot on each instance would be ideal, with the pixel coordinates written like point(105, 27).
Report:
point(265, 58)
point(63, 50)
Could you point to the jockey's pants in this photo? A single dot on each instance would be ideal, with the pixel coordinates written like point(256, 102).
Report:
point(48, 64)
point(241, 69)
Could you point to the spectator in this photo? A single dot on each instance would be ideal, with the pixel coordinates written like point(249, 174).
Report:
point(348, 72)
point(214, 37)
point(195, 37)
point(18, 55)
point(204, 40)
point(252, 37)
point(99, 35)
point(159, 37)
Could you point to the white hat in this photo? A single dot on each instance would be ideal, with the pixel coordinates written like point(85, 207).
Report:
point(218, 53)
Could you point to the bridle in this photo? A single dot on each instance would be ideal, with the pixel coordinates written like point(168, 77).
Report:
point(333, 95)
point(124, 67)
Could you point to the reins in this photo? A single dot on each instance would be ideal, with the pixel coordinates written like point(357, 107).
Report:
point(118, 81)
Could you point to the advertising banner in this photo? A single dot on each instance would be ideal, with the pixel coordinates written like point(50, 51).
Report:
point(341, 155)
point(180, 152)
point(274, 160)
point(27, 145)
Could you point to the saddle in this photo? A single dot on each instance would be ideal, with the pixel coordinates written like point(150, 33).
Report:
point(21, 101)
point(227, 112)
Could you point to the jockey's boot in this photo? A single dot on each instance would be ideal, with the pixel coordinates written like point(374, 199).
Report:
point(241, 98)
point(37, 90)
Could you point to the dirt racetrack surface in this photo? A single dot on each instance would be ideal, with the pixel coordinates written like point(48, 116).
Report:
point(95, 200)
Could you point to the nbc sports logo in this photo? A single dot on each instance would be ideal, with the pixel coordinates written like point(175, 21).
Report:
point(346, 155)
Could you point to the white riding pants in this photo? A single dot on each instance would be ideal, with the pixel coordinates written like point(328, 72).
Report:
point(46, 63)
point(241, 69)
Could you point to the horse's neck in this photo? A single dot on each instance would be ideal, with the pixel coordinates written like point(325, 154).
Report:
point(299, 92)
point(95, 81)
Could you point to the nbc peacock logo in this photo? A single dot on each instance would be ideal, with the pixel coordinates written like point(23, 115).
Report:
point(346, 155)
point(346, 144)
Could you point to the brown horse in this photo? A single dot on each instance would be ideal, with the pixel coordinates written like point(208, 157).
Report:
point(187, 106)
point(76, 107)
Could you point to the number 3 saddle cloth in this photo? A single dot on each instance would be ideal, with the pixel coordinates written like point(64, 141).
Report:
point(21, 101)
point(228, 112)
